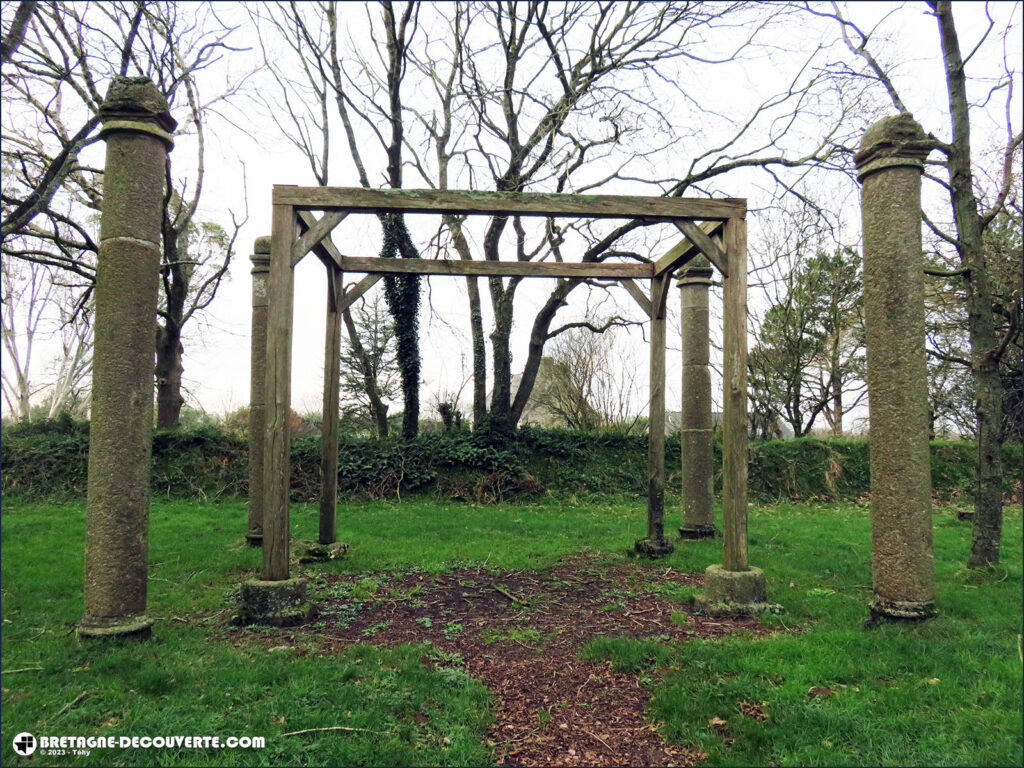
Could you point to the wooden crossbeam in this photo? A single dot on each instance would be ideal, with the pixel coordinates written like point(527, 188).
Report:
point(316, 231)
point(685, 249)
point(325, 249)
point(356, 290)
point(598, 270)
point(354, 199)
point(714, 252)
point(638, 294)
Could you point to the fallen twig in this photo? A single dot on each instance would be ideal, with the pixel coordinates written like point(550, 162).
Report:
point(75, 701)
point(508, 594)
point(337, 728)
point(23, 669)
point(599, 739)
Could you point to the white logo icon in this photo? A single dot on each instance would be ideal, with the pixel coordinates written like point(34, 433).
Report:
point(24, 744)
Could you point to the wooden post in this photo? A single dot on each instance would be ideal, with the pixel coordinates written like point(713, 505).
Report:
point(277, 446)
point(696, 434)
point(734, 400)
point(257, 385)
point(277, 599)
point(655, 545)
point(329, 428)
point(734, 588)
point(137, 129)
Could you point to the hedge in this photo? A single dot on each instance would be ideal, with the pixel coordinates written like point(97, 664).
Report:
point(49, 461)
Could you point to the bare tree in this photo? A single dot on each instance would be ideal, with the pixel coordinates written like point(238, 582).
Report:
point(52, 90)
point(37, 308)
point(962, 230)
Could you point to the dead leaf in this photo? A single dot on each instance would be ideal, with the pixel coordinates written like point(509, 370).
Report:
point(932, 681)
point(818, 691)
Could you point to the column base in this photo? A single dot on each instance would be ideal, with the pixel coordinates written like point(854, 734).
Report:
point(274, 603)
point(885, 611)
point(693, 532)
point(139, 627)
point(734, 593)
point(654, 547)
point(314, 552)
point(254, 538)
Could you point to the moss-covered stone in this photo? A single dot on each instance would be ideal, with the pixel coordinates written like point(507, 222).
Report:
point(653, 548)
point(734, 593)
point(274, 603)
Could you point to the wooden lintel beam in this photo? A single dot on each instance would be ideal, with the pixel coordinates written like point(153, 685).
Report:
point(684, 250)
point(701, 239)
point(354, 199)
point(598, 270)
point(638, 294)
point(356, 290)
point(316, 231)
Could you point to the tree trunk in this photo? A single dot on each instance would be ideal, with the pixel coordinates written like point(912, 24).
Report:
point(378, 408)
point(501, 398)
point(476, 325)
point(988, 510)
point(168, 377)
point(837, 389)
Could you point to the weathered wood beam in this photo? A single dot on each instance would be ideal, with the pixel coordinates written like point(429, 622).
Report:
point(329, 425)
point(734, 401)
point(600, 270)
point(356, 290)
point(638, 294)
point(696, 235)
point(325, 250)
point(315, 232)
point(277, 398)
point(354, 199)
point(684, 250)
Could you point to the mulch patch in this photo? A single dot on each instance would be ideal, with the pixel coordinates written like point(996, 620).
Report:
point(520, 633)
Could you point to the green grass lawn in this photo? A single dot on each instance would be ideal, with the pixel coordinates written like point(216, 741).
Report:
point(946, 692)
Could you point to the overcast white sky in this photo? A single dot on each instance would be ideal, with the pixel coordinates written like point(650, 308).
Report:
point(217, 352)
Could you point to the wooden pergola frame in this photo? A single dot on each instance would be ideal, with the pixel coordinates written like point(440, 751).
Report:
point(714, 228)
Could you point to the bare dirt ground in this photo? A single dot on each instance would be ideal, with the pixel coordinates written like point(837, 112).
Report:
point(520, 633)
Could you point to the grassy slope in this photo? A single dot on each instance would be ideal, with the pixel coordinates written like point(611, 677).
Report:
point(190, 680)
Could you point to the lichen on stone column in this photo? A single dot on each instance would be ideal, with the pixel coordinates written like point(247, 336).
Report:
point(257, 408)
point(696, 428)
point(137, 128)
point(889, 166)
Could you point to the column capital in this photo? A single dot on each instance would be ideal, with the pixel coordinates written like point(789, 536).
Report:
point(134, 104)
point(260, 257)
point(697, 272)
point(894, 141)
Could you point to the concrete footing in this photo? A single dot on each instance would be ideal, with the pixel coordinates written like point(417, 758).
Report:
point(693, 532)
point(132, 626)
point(254, 539)
point(275, 603)
point(734, 593)
point(654, 547)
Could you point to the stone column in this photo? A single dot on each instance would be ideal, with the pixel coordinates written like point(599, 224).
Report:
point(696, 430)
point(257, 408)
point(137, 129)
point(889, 166)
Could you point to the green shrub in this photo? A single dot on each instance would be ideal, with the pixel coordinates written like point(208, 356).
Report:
point(49, 460)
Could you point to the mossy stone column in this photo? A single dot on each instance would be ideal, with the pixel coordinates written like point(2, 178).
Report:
point(696, 430)
point(257, 407)
point(889, 166)
point(137, 129)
